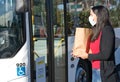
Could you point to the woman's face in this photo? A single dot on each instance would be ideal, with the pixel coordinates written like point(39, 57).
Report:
point(93, 15)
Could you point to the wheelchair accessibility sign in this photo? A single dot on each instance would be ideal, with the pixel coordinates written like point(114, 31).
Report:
point(20, 69)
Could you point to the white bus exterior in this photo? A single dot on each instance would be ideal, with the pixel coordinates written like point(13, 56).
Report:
point(14, 42)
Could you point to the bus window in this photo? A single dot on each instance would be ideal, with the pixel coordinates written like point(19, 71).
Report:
point(11, 29)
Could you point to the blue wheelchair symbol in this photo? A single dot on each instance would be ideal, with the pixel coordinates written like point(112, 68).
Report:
point(21, 71)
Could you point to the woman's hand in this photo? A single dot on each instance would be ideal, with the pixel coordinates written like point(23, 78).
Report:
point(82, 54)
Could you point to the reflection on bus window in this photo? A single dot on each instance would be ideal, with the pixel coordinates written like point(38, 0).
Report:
point(78, 12)
point(11, 29)
point(40, 29)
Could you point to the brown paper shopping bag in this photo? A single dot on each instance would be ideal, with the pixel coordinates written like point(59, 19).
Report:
point(81, 41)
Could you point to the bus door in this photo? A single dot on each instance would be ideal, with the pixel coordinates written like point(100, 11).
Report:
point(14, 41)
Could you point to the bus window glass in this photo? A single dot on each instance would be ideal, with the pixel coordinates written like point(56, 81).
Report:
point(11, 29)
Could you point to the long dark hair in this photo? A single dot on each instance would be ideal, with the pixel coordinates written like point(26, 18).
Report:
point(102, 14)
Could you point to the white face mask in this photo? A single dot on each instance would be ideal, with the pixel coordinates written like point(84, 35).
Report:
point(92, 22)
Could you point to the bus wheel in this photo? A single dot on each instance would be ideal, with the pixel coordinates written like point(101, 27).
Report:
point(83, 71)
point(80, 75)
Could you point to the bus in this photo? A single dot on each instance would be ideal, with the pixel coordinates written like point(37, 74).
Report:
point(15, 41)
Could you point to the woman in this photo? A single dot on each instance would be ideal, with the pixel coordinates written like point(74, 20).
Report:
point(102, 46)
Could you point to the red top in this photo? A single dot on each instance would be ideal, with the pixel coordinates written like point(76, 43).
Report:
point(94, 46)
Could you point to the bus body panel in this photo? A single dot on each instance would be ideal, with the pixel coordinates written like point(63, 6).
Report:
point(17, 68)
